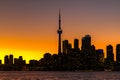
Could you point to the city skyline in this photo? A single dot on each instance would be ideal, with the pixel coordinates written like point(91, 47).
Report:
point(28, 28)
point(69, 59)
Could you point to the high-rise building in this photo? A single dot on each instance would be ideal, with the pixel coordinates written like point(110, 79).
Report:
point(86, 43)
point(6, 60)
point(20, 61)
point(65, 46)
point(47, 56)
point(76, 44)
point(11, 59)
point(99, 55)
point(0, 62)
point(118, 53)
point(15, 61)
point(20, 58)
point(59, 31)
point(110, 55)
point(69, 46)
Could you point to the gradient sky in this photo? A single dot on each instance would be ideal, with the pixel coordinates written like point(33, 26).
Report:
point(28, 28)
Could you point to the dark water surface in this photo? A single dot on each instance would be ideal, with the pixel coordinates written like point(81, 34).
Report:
point(46, 75)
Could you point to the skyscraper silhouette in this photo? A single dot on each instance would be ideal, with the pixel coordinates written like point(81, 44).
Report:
point(11, 59)
point(6, 60)
point(59, 31)
point(65, 46)
point(110, 55)
point(86, 43)
point(118, 53)
point(76, 44)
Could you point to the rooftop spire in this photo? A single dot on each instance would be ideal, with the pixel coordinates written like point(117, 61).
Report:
point(59, 18)
point(59, 31)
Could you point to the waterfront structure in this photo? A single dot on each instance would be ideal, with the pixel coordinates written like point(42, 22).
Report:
point(0, 62)
point(65, 45)
point(110, 55)
point(59, 31)
point(86, 43)
point(100, 56)
point(76, 44)
point(11, 59)
point(118, 53)
point(6, 60)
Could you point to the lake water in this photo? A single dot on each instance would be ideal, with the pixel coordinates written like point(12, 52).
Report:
point(39, 75)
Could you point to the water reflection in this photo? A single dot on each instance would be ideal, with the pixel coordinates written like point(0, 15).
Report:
point(59, 75)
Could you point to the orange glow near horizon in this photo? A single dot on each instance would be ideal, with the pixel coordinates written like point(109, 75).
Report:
point(23, 53)
point(29, 28)
point(28, 48)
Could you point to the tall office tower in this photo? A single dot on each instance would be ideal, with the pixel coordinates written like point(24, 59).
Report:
point(0, 62)
point(10, 59)
point(15, 61)
point(20, 58)
point(6, 60)
point(65, 46)
point(99, 55)
point(69, 46)
point(76, 44)
point(110, 55)
point(86, 43)
point(118, 53)
point(59, 31)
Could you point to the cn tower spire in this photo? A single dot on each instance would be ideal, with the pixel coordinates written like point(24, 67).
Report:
point(59, 19)
point(59, 31)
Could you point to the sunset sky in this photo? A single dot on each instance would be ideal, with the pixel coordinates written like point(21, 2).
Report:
point(28, 28)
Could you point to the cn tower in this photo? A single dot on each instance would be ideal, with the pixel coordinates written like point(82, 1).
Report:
point(59, 31)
